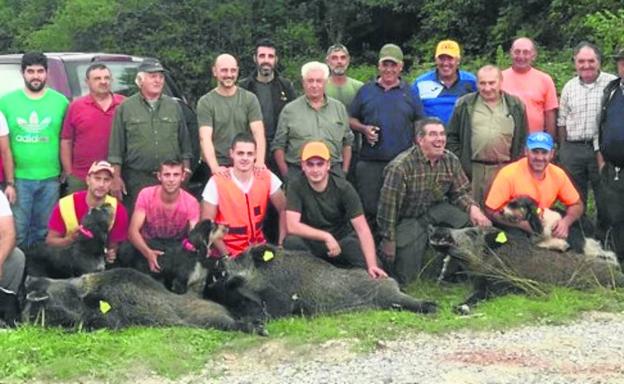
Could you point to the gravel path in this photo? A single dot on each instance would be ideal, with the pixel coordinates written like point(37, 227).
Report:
point(590, 350)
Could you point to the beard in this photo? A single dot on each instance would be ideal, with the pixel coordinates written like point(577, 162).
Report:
point(35, 88)
point(265, 70)
point(339, 71)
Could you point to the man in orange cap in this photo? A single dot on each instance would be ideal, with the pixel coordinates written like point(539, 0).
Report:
point(325, 216)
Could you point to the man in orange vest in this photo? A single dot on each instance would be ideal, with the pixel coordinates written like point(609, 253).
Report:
point(239, 198)
point(65, 218)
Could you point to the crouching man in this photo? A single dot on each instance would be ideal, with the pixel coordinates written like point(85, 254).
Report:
point(536, 177)
point(325, 216)
point(163, 211)
point(69, 211)
point(239, 198)
point(422, 185)
point(12, 264)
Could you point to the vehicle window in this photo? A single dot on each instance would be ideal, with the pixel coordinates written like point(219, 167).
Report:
point(124, 73)
point(11, 76)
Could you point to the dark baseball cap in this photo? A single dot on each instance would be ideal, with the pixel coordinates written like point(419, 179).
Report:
point(149, 65)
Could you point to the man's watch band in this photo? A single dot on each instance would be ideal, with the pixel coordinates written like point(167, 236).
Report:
point(10, 183)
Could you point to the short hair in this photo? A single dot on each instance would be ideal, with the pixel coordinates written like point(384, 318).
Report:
point(490, 67)
point(313, 66)
point(95, 66)
point(265, 42)
point(587, 44)
point(243, 137)
point(533, 43)
point(337, 47)
point(419, 125)
point(34, 58)
point(171, 162)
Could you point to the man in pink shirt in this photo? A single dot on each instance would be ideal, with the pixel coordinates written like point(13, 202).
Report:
point(535, 88)
point(87, 126)
point(163, 211)
point(67, 213)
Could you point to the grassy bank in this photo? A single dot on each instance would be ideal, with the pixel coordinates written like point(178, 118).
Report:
point(52, 355)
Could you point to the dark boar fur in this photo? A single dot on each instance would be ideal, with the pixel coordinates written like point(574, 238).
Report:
point(517, 265)
point(285, 282)
point(182, 263)
point(86, 254)
point(120, 298)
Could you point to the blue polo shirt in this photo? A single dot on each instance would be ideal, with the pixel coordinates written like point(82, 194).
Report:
point(438, 100)
point(394, 111)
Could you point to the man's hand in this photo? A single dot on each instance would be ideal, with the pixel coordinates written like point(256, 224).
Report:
point(152, 259)
point(478, 218)
point(10, 193)
point(332, 246)
point(259, 167)
point(376, 273)
point(111, 255)
point(561, 229)
point(118, 188)
point(371, 133)
point(223, 171)
point(388, 250)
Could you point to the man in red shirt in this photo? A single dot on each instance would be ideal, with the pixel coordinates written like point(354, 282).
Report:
point(67, 213)
point(87, 126)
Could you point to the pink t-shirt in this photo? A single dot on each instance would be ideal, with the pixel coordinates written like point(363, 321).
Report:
point(536, 89)
point(88, 127)
point(166, 222)
point(118, 233)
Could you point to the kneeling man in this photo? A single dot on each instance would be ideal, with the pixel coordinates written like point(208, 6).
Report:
point(12, 263)
point(324, 214)
point(536, 177)
point(239, 198)
point(67, 213)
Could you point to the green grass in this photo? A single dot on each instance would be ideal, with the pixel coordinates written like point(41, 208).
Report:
point(53, 355)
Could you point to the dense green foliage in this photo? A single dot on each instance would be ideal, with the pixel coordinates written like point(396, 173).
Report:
point(188, 34)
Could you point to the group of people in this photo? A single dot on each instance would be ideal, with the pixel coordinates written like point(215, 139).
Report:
point(352, 172)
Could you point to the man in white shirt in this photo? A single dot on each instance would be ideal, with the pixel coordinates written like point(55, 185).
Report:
point(12, 263)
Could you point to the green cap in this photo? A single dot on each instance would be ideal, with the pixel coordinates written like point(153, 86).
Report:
point(391, 52)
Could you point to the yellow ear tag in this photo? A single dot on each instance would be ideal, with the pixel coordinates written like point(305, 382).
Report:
point(501, 238)
point(104, 307)
point(539, 211)
point(268, 256)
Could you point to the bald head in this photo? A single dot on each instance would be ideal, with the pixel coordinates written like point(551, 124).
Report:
point(523, 54)
point(225, 71)
point(489, 81)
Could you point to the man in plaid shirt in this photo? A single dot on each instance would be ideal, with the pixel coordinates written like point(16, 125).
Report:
point(423, 185)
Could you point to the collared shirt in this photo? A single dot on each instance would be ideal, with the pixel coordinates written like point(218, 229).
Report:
point(394, 111)
point(412, 184)
point(300, 123)
point(88, 128)
point(143, 137)
point(492, 131)
point(438, 99)
point(580, 108)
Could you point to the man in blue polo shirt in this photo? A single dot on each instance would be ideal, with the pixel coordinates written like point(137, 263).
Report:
point(441, 87)
point(384, 112)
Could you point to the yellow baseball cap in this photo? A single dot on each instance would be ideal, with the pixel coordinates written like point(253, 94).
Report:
point(315, 149)
point(448, 47)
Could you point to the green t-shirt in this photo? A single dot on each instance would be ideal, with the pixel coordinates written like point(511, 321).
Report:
point(34, 132)
point(344, 93)
point(330, 210)
point(228, 116)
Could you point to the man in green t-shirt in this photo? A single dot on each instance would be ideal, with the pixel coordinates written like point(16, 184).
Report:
point(325, 216)
point(223, 113)
point(35, 116)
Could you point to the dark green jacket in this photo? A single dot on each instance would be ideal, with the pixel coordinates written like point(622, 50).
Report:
point(459, 130)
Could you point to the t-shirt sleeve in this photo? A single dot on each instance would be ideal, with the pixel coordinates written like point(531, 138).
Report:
point(5, 208)
point(568, 194)
point(119, 232)
point(193, 210)
point(550, 102)
point(205, 116)
point(276, 183)
point(351, 201)
point(500, 193)
point(56, 222)
point(4, 126)
point(210, 193)
point(293, 197)
point(142, 201)
point(254, 113)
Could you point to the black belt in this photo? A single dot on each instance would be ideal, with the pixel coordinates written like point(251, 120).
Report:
point(590, 141)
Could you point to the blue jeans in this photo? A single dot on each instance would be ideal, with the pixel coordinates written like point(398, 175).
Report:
point(35, 201)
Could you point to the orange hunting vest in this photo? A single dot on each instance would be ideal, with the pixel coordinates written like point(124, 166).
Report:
point(242, 212)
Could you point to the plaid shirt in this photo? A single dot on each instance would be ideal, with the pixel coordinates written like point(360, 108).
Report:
point(579, 108)
point(412, 184)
